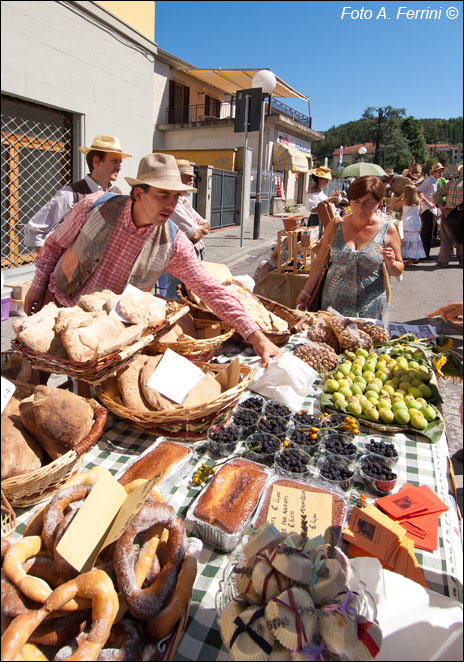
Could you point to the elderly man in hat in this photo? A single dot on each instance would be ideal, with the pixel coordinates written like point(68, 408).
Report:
point(185, 216)
point(103, 159)
point(188, 220)
point(428, 188)
point(107, 241)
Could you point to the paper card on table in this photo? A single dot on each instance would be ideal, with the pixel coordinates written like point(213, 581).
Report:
point(81, 542)
point(131, 506)
point(436, 504)
point(229, 376)
point(369, 534)
point(175, 376)
point(289, 506)
point(401, 504)
point(7, 392)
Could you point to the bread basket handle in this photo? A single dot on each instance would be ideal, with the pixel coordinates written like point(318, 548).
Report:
point(100, 419)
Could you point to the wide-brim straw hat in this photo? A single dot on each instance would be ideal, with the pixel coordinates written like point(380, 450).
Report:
point(437, 166)
point(160, 171)
point(105, 144)
point(323, 172)
point(389, 172)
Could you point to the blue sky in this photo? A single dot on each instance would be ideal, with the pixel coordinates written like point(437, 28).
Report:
point(343, 64)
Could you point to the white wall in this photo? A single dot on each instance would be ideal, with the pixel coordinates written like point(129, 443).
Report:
point(59, 57)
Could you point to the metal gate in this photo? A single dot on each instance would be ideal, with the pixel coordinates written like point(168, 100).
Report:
point(223, 191)
point(266, 180)
point(36, 160)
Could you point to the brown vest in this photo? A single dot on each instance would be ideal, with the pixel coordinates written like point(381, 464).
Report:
point(80, 189)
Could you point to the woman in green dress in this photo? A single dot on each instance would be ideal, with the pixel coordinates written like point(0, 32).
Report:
point(359, 247)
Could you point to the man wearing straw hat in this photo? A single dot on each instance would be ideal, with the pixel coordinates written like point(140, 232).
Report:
point(103, 159)
point(107, 241)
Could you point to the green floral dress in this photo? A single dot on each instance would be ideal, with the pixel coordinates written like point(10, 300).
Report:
point(355, 284)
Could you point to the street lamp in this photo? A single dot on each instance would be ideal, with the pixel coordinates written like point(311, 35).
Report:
point(361, 152)
point(266, 80)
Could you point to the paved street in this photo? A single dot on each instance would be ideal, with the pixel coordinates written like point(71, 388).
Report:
point(424, 288)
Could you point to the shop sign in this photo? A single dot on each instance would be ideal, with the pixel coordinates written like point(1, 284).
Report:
point(289, 141)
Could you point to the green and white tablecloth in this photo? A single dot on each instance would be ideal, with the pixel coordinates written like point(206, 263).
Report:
point(420, 463)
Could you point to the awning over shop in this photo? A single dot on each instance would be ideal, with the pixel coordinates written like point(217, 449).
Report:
point(231, 80)
point(289, 158)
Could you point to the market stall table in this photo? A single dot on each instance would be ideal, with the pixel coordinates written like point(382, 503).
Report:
point(420, 463)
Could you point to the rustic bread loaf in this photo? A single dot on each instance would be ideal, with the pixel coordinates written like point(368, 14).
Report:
point(38, 333)
point(97, 301)
point(20, 451)
point(60, 414)
point(82, 342)
point(142, 309)
point(129, 384)
point(50, 445)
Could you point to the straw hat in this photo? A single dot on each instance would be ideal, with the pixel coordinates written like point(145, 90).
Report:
point(185, 167)
point(322, 172)
point(159, 171)
point(105, 144)
point(389, 172)
point(437, 166)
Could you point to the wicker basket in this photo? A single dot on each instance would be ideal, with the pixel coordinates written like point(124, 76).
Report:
point(8, 518)
point(38, 486)
point(98, 370)
point(190, 424)
point(195, 349)
point(294, 320)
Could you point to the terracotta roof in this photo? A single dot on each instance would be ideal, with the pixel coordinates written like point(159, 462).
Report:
point(442, 145)
point(353, 149)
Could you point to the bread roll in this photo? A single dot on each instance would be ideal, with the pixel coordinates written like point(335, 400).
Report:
point(62, 415)
point(51, 446)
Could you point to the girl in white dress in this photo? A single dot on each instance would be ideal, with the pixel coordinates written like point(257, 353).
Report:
point(412, 249)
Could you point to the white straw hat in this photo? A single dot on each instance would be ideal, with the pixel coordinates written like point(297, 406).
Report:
point(105, 144)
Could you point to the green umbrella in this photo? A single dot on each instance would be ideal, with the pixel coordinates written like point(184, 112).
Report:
point(362, 169)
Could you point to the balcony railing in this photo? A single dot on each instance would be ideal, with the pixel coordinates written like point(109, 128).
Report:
point(225, 110)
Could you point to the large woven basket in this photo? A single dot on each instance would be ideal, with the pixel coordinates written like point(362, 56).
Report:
point(195, 349)
point(293, 319)
point(190, 424)
point(37, 486)
point(98, 370)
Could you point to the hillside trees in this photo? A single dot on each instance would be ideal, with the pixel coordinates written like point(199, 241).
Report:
point(412, 129)
point(379, 121)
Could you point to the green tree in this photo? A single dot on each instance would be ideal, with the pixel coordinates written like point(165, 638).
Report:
point(378, 119)
point(395, 152)
point(412, 129)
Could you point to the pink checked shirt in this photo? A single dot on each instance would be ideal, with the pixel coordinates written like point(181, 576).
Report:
point(116, 264)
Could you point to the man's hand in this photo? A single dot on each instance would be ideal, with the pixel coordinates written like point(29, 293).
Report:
point(449, 313)
point(33, 301)
point(263, 347)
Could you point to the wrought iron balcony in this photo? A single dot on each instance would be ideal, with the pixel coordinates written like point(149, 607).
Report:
point(225, 111)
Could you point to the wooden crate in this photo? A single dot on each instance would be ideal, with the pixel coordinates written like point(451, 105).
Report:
point(300, 243)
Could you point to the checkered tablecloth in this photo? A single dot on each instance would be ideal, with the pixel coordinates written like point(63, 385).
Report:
point(420, 463)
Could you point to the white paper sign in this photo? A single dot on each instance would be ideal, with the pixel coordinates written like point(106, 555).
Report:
point(175, 376)
point(7, 391)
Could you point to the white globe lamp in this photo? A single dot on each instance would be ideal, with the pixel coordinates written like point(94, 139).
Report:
point(264, 79)
point(361, 152)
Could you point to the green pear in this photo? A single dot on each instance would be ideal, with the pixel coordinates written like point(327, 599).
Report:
point(339, 375)
point(341, 405)
point(415, 392)
point(372, 414)
point(345, 368)
point(350, 355)
point(413, 365)
point(384, 404)
point(421, 401)
point(419, 354)
point(428, 412)
point(362, 352)
point(373, 387)
point(425, 390)
point(356, 372)
point(379, 381)
point(355, 389)
point(337, 396)
point(399, 404)
point(386, 415)
point(405, 386)
point(418, 420)
point(331, 386)
point(389, 389)
point(413, 404)
point(354, 407)
point(345, 391)
point(402, 416)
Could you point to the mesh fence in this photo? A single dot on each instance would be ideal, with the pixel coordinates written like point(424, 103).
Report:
point(36, 161)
